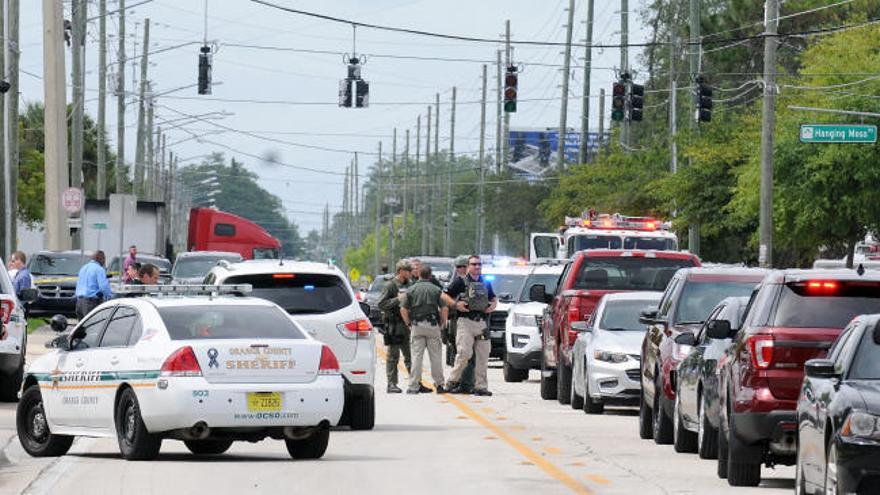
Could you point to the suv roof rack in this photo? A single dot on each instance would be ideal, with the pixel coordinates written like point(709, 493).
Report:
point(184, 290)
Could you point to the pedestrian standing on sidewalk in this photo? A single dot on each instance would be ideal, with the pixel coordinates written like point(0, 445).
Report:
point(425, 310)
point(92, 287)
point(396, 333)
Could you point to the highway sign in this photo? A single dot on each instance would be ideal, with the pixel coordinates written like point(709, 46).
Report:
point(72, 200)
point(838, 133)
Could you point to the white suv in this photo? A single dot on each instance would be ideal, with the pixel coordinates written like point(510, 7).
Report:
point(13, 337)
point(320, 299)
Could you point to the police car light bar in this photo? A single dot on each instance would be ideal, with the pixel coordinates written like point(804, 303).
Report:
point(593, 220)
point(184, 290)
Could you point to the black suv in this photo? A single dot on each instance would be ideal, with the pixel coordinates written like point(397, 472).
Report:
point(55, 274)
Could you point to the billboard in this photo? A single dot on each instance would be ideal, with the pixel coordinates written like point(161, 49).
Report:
point(533, 150)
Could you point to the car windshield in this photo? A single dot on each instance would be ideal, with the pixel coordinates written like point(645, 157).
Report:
point(624, 315)
point(866, 365)
point(377, 285)
point(227, 322)
point(505, 285)
point(298, 293)
point(627, 272)
point(549, 281)
point(56, 264)
point(801, 306)
point(655, 243)
point(197, 266)
point(592, 241)
point(698, 298)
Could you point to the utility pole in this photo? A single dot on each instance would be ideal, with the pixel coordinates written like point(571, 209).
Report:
point(150, 150)
point(12, 148)
point(77, 76)
point(425, 192)
point(447, 240)
point(624, 62)
point(673, 110)
point(584, 155)
point(405, 181)
point(121, 170)
point(357, 199)
point(505, 132)
point(347, 188)
point(498, 117)
point(417, 178)
point(695, 48)
point(55, 124)
point(141, 136)
point(5, 175)
point(102, 100)
point(482, 209)
point(393, 195)
point(768, 124)
point(566, 73)
point(378, 229)
point(601, 139)
point(435, 174)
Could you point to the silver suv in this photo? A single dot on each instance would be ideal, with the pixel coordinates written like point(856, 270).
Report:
point(320, 299)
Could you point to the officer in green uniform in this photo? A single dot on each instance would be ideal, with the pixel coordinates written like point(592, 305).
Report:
point(425, 310)
point(467, 378)
point(396, 332)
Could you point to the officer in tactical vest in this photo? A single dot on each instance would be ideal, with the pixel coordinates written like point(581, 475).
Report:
point(425, 310)
point(467, 378)
point(475, 300)
point(396, 331)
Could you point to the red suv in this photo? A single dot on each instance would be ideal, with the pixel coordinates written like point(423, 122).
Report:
point(684, 307)
point(586, 278)
point(793, 316)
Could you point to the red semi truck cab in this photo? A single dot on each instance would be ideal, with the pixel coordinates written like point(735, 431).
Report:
point(587, 277)
point(214, 230)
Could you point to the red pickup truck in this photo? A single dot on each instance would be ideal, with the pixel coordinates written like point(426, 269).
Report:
point(586, 278)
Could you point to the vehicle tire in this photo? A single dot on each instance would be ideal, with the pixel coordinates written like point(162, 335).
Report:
point(646, 428)
point(684, 440)
point(548, 383)
point(563, 384)
point(208, 447)
point(594, 406)
point(312, 447)
point(723, 450)
point(661, 423)
point(830, 469)
point(33, 430)
point(362, 414)
point(514, 375)
point(707, 435)
point(740, 472)
point(135, 442)
point(575, 401)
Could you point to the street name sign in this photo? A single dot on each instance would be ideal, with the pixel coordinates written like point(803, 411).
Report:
point(838, 133)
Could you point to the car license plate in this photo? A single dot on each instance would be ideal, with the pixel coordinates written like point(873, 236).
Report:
point(264, 401)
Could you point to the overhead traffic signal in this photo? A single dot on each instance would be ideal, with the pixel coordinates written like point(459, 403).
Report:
point(205, 70)
point(354, 91)
point(635, 101)
point(618, 101)
point(703, 100)
point(511, 81)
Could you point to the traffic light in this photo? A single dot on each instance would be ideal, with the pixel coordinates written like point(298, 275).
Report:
point(511, 80)
point(703, 100)
point(636, 101)
point(345, 93)
point(362, 93)
point(618, 101)
point(359, 95)
point(205, 70)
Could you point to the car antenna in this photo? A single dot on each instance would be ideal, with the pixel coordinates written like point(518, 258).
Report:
point(861, 269)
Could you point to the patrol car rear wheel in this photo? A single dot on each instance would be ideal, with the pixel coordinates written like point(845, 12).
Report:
point(33, 429)
point(135, 442)
point(208, 447)
point(310, 448)
point(514, 375)
point(363, 413)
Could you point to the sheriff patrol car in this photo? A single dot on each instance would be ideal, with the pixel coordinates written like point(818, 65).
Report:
point(205, 369)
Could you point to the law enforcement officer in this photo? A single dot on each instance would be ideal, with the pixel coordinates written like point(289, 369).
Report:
point(396, 333)
point(92, 287)
point(471, 338)
point(425, 310)
point(467, 378)
point(417, 269)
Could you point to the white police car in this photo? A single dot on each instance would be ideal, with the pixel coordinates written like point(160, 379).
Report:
point(208, 370)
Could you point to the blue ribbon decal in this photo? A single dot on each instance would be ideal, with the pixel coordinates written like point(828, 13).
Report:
point(212, 356)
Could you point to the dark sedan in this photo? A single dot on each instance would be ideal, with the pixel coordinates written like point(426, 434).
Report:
point(695, 417)
point(55, 275)
point(371, 297)
point(838, 413)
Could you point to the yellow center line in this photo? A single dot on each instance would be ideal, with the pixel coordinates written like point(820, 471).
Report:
point(595, 478)
point(533, 457)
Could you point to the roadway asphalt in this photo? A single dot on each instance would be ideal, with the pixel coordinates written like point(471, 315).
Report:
point(513, 442)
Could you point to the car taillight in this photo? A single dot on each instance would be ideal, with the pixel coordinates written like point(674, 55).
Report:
point(6, 307)
point(181, 362)
point(355, 328)
point(329, 365)
point(574, 313)
point(761, 350)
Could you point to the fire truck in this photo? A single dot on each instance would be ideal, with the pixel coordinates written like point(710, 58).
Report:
point(593, 230)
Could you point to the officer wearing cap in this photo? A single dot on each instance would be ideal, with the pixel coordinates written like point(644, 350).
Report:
point(425, 310)
point(467, 377)
point(396, 332)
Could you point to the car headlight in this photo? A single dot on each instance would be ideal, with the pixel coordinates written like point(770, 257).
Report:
point(861, 424)
point(610, 357)
point(523, 320)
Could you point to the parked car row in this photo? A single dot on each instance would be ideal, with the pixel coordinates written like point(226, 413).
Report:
point(748, 367)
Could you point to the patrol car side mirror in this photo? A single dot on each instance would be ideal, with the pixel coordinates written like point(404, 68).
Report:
point(686, 338)
point(648, 316)
point(29, 295)
point(58, 323)
point(538, 293)
point(718, 329)
point(581, 326)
